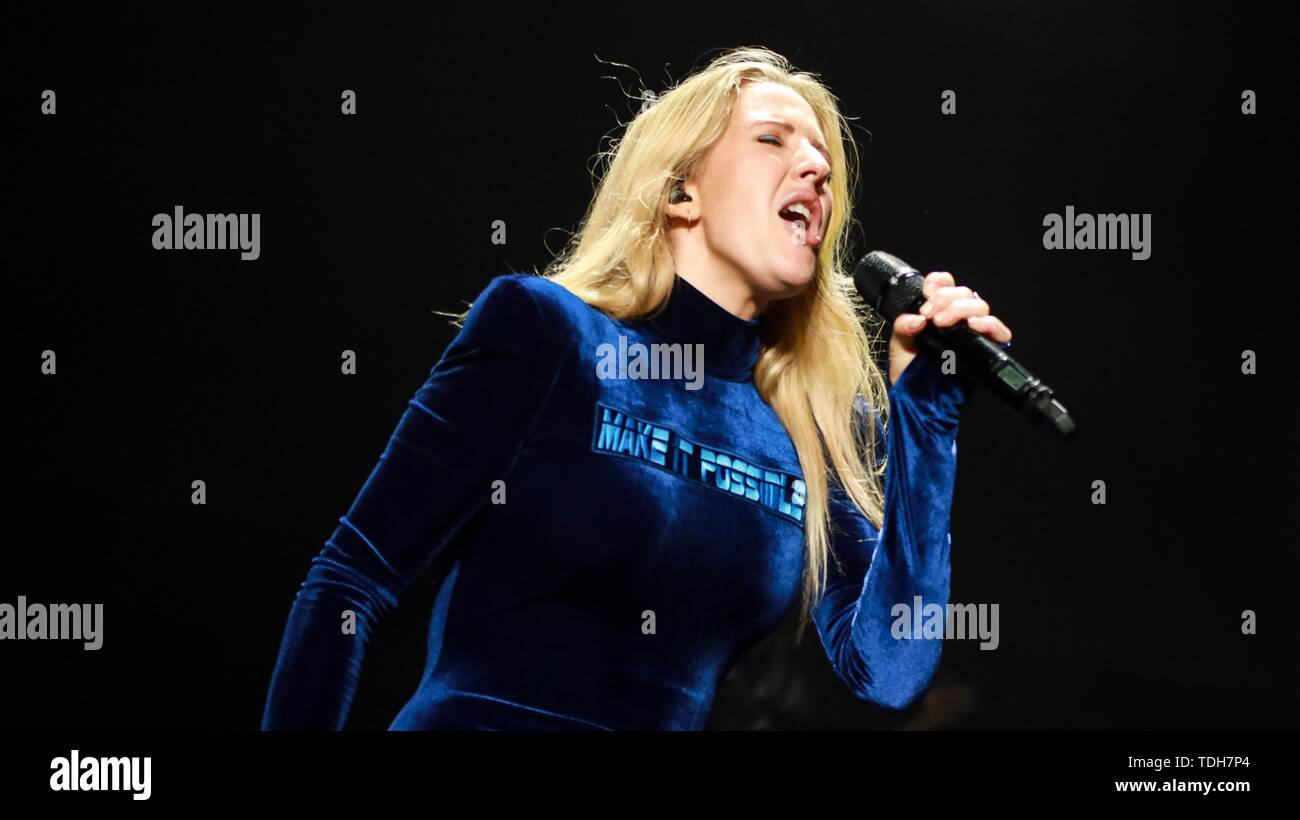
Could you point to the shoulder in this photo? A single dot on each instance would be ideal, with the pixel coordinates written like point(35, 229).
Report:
point(531, 313)
point(543, 304)
point(547, 299)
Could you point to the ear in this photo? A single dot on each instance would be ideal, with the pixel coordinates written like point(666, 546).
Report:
point(687, 210)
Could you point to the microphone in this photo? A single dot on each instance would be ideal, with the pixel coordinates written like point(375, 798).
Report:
point(892, 287)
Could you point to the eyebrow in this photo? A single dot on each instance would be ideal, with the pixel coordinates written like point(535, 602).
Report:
point(788, 128)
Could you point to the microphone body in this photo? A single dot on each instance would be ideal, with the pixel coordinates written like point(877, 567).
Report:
point(891, 287)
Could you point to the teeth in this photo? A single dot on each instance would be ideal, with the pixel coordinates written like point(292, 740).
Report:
point(802, 209)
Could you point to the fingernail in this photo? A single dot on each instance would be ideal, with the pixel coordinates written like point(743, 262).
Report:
point(927, 309)
point(917, 321)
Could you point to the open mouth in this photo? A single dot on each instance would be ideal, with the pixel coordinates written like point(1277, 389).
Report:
point(797, 226)
point(800, 224)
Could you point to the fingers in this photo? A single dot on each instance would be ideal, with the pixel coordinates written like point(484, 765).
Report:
point(940, 291)
point(957, 309)
point(946, 304)
point(990, 326)
point(935, 280)
point(909, 324)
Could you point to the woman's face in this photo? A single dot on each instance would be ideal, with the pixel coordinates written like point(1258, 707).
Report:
point(744, 182)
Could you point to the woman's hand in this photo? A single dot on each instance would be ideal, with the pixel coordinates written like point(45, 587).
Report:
point(945, 304)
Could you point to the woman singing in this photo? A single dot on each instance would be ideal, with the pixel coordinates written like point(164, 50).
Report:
point(612, 536)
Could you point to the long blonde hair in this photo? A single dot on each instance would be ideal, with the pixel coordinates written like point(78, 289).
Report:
point(817, 358)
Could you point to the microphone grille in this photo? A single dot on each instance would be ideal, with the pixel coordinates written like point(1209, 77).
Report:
point(888, 284)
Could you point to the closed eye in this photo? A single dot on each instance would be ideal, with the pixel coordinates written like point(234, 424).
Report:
point(778, 143)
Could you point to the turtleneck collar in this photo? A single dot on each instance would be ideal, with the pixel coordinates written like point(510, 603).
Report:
point(731, 344)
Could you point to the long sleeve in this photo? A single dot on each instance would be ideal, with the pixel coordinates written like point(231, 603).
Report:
point(462, 430)
point(908, 556)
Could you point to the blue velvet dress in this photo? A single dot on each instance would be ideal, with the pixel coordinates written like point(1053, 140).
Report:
point(609, 547)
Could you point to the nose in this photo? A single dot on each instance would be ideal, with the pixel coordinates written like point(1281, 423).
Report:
point(812, 164)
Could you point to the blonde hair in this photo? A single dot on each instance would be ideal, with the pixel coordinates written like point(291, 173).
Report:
point(816, 358)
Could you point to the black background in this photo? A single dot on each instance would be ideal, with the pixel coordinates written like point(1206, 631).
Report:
point(175, 366)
